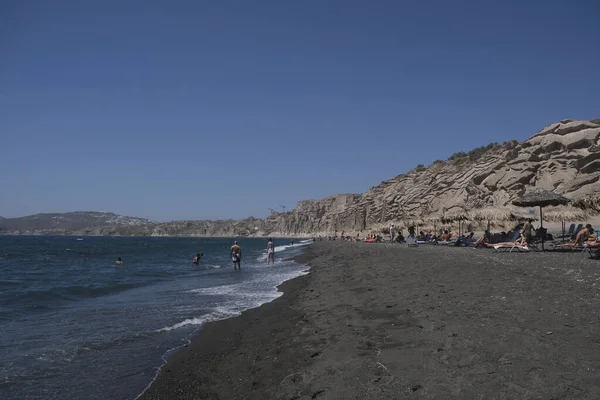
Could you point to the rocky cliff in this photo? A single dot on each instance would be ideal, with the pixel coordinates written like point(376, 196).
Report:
point(563, 157)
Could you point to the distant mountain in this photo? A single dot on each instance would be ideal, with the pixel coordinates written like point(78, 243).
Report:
point(66, 222)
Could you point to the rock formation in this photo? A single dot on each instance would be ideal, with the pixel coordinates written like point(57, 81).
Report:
point(563, 157)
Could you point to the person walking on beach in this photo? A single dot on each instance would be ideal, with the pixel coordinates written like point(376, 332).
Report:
point(527, 228)
point(236, 255)
point(392, 233)
point(270, 252)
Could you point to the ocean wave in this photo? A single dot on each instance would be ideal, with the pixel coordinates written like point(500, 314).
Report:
point(289, 246)
point(214, 316)
point(279, 249)
point(218, 290)
point(207, 266)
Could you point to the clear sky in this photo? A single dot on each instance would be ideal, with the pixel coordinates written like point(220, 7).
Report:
point(198, 109)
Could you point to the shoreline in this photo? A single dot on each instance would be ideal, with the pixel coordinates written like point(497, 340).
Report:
point(218, 338)
point(305, 237)
point(383, 321)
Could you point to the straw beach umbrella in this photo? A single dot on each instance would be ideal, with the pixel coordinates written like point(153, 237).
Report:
point(492, 214)
point(459, 215)
point(496, 214)
point(564, 214)
point(434, 218)
point(541, 198)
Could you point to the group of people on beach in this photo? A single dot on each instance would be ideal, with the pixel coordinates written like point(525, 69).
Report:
point(235, 253)
point(524, 234)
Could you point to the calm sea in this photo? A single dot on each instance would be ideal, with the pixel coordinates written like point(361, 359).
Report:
point(77, 326)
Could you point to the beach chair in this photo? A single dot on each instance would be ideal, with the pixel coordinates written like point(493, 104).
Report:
point(579, 227)
point(498, 247)
point(571, 230)
point(594, 252)
point(540, 235)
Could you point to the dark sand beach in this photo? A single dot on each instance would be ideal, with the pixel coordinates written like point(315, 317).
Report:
point(381, 321)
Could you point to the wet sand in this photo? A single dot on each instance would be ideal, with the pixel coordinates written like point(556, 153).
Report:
point(381, 321)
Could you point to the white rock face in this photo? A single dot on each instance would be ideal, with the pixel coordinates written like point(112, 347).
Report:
point(563, 157)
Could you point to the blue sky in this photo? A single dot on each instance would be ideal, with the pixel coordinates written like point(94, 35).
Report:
point(197, 109)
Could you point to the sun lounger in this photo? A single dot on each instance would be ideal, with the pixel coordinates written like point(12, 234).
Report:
point(510, 245)
point(594, 252)
point(446, 242)
point(411, 242)
point(510, 248)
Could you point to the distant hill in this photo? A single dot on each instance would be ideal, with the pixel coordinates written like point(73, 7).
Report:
point(68, 221)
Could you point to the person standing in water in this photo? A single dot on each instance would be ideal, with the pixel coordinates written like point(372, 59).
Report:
point(197, 258)
point(270, 252)
point(236, 255)
point(119, 261)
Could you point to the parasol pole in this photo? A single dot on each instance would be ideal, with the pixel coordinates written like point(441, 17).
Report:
point(542, 226)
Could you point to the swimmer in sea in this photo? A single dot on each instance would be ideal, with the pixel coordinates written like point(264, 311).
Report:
point(270, 252)
point(119, 261)
point(236, 255)
point(198, 258)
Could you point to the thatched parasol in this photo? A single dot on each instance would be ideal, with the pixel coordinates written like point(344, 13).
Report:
point(492, 214)
point(434, 218)
point(541, 198)
point(457, 214)
point(497, 214)
point(565, 213)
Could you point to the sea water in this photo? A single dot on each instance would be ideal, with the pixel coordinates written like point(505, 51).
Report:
point(75, 325)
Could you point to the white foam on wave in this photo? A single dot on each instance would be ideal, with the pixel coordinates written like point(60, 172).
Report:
point(279, 249)
point(217, 315)
point(289, 246)
point(218, 290)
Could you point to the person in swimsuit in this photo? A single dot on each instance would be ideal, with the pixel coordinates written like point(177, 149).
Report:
point(236, 255)
point(270, 252)
point(197, 258)
point(119, 261)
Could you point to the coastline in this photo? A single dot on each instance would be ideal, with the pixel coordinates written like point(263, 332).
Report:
point(303, 236)
point(222, 352)
point(383, 321)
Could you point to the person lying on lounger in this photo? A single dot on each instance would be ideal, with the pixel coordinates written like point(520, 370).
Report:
point(521, 241)
point(483, 241)
point(586, 236)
